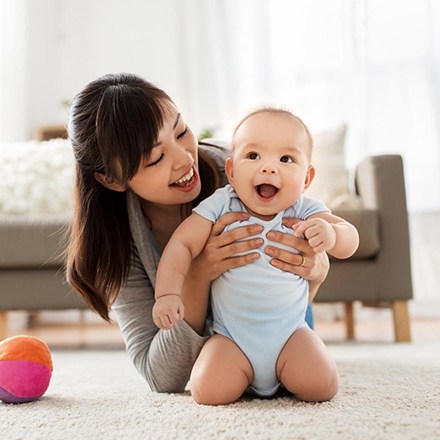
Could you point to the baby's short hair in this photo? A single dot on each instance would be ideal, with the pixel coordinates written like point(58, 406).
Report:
point(277, 111)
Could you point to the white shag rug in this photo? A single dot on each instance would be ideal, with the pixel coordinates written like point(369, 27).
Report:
point(388, 391)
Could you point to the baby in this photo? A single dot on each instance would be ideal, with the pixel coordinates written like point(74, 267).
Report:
point(257, 306)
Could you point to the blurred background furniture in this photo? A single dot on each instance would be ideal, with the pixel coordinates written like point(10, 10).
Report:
point(35, 210)
point(46, 132)
point(379, 274)
point(31, 275)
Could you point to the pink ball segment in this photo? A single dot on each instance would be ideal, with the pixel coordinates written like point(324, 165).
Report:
point(25, 369)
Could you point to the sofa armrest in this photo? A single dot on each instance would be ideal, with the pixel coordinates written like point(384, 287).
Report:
point(380, 183)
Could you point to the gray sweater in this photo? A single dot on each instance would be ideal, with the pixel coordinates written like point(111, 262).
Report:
point(163, 357)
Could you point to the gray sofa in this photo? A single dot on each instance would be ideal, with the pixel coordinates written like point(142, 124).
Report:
point(379, 274)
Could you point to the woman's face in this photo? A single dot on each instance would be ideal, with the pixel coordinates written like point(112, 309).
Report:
point(170, 175)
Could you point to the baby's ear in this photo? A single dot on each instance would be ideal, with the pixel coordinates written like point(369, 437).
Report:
point(107, 182)
point(309, 176)
point(228, 170)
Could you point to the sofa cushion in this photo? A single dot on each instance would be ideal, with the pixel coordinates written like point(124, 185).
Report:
point(331, 183)
point(27, 243)
point(36, 178)
point(367, 223)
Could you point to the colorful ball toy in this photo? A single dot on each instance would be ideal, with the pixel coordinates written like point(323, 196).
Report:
point(25, 369)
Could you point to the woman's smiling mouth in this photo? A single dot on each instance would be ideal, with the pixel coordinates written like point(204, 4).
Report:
point(188, 181)
point(185, 179)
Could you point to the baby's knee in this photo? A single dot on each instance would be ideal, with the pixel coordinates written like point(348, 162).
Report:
point(221, 374)
point(321, 389)
point(327, 387)
point(203, 394)
point(209, 392)
point(218, 388)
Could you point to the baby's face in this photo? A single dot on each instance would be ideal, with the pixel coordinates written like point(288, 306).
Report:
point(270, 164)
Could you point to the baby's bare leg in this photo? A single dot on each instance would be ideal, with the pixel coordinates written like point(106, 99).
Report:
point(221, 373)
point(306, 368)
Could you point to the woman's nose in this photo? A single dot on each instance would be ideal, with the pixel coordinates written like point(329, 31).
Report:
point(182, 158)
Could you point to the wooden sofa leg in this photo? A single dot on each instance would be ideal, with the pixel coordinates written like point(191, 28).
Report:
point(4, 330)
point(349, 320)
point(402, 331)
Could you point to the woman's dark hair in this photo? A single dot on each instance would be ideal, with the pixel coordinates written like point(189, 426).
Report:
point(113, 124)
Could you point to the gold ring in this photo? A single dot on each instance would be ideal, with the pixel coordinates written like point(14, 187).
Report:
point(303, 262)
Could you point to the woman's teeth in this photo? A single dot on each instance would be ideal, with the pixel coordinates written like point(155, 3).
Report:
point(186, 178)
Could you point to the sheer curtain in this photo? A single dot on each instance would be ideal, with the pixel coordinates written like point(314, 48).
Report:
point(372, 64)
point(13, 72)
point(224, 51)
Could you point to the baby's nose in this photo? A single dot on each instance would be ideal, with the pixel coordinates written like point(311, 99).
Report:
point(268, 169)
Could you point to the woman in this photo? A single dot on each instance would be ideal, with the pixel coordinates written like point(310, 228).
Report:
point(139, 172)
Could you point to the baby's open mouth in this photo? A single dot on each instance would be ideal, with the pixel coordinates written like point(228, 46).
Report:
point(266, 191)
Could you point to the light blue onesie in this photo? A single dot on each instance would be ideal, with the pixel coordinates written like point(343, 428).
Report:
point(259, 306)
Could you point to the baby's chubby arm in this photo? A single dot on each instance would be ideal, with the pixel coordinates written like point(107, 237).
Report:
point(184, 245)
point(329, 233)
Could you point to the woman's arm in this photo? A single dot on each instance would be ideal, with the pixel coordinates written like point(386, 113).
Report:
point(319, 268)
point(163, 357)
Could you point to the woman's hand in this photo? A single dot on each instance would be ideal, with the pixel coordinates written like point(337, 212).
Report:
point(307, 264)
point(219, 253)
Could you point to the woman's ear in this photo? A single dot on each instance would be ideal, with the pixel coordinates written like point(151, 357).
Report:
point(228, 170)
point(108, 183)
point(309, 176)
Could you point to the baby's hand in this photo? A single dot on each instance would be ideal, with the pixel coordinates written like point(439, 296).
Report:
point(319, 233)
point(167, 310)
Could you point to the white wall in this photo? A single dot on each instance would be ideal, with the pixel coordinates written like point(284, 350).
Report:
point(220, 58)
point(73, 42)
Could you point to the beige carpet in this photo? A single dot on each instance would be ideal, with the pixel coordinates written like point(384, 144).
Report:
point(388, 391)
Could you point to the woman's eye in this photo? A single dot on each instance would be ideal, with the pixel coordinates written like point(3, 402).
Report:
point(286, 159)
point(183, 133)
point(253, 156)
point(155, 162)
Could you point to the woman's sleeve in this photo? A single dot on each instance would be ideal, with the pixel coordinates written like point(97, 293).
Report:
point(163, 357)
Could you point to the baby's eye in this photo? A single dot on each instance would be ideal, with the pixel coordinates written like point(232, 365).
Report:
point(287, 159)
point(253, 156)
